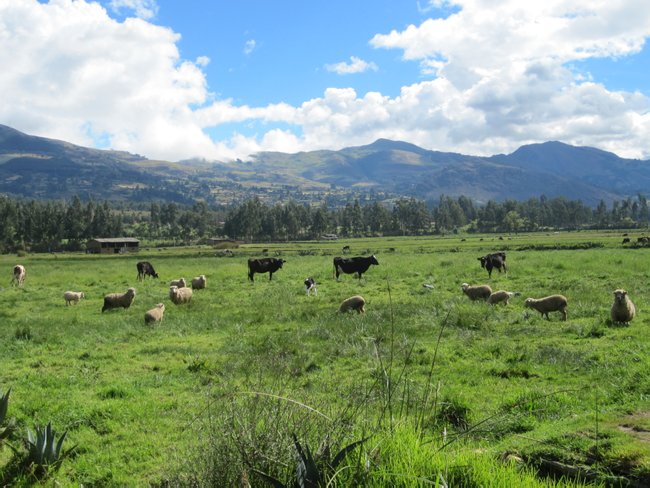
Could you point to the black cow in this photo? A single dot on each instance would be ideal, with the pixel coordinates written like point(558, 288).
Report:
point(145, 268)
point(264, 265)
point(495, 260)
point(358, 264)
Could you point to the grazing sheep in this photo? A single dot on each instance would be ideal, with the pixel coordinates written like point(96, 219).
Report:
point(476, 292)
point(155, 314)
point(117, 300)
point(623, 309)
point(73, 297)
point(553, 303)
point(180, 295)
point(18, 276)
point(199, 282)
point(500, 296)
point(356, 302)
point(181, 283)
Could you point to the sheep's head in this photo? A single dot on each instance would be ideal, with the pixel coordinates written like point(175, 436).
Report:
point(161, 306)
point(131, 291)
point(173, 290)
point(529, 302)
point(620, 296)
point(464, 286)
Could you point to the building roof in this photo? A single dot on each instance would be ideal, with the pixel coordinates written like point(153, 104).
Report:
point(115, 239)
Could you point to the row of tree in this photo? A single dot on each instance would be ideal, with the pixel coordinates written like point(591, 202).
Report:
point(46, 225)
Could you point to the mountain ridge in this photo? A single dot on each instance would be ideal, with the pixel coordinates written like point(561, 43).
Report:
point(37, 167)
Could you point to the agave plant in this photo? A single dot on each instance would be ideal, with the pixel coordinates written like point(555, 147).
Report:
point(44, 452)
point(4, 406)
point(312, 472)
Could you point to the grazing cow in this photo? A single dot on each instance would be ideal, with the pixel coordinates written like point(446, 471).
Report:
point(264, 265)
point(626, 240)
point(495, 260)
point(310, 285)
point(642, 240)
point(145, 269)
point(358, 264)
point(346, 250)
point(18, 275)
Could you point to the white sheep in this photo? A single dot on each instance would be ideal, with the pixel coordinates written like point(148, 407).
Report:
point(181, 283)
point(18, 276)
point(501, 296)
point(73, 297)
point(476, 292)
point(155, 314)
point(553, 303)
point(356, 302)
point(623, 309)
point(199, 282)
point(180, 295)
point(116, 300)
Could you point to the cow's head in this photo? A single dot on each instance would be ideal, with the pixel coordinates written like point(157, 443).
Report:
point(373, 260)
point(483, 260)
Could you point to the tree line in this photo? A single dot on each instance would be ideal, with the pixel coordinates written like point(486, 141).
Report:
point(57, 225)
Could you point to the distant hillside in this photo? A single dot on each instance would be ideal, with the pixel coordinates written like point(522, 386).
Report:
point(36, 167)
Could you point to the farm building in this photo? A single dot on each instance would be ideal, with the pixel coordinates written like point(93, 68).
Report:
point(113, 245)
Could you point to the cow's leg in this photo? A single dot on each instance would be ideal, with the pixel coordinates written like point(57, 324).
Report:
point(270, 275)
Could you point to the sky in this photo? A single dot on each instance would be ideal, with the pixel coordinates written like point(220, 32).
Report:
point(225, 79)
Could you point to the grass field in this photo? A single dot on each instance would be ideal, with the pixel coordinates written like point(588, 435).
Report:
point(441, 389)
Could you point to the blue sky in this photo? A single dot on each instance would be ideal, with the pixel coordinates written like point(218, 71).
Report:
point(224, 79)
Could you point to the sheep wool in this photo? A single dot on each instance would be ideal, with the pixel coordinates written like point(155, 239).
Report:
point(199, 282)
point(476, 292)
point(117, 300)
point(155, 314)
point(356, 302)
point(623, 310)
point(500, 296)
point(73, 297)
point(180, 296)
point(181, 283)
point(552, 303)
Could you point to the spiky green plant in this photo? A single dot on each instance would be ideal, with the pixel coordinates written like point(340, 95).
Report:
point(44, 452)
point(312, 472)
point(4, 406)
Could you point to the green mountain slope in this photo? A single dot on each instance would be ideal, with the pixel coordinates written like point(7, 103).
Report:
point(36, 167)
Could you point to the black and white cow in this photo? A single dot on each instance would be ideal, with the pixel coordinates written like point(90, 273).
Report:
point(145, 268)
point(494, 260)
point(264, 265)
point(310, 285)
point(358, 264)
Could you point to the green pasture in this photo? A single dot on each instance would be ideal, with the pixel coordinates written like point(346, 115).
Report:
point(441, 389)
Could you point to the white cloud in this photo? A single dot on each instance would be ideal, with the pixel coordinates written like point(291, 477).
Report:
point(496, 74)
point(145, 9)
point(249, 46)
point(356, 65)
point(80, 76)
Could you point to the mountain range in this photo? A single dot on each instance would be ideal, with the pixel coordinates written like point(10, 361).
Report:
point(41, 168)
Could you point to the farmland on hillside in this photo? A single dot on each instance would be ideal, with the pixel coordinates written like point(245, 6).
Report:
point(439, 389)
